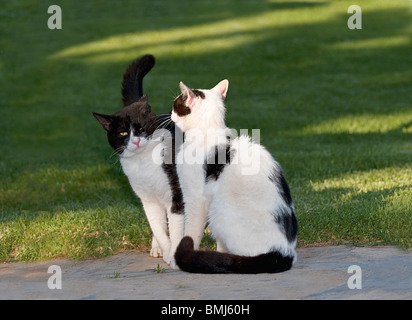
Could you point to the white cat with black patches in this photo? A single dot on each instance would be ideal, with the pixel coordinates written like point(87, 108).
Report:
point(134, 133)
point(251, 216)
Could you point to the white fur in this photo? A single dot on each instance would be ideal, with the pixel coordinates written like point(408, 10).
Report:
point(142, 165)
point(241, 208)
point(200, 127)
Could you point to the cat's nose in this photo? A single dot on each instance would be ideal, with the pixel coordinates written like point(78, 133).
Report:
point(136, 142)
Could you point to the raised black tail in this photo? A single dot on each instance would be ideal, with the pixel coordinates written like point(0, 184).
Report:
point(193, 261)
point(132, 85)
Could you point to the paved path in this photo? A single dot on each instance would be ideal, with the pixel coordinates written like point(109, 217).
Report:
point(320, 273)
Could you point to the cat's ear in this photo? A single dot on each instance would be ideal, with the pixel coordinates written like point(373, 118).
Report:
point(222, 88)
point(104, 120)
point(187, 93)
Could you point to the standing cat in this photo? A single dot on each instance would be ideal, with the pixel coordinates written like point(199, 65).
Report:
point(134, 133)
point(251, 216)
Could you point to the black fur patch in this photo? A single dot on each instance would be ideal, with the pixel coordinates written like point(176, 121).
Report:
point(177, 195)
point(180, 103)
point(278, 178)
point(180, 106)
point(216, 161)
point(163, 122)
point(289, 224)
point(198, 93)
point(286, 218)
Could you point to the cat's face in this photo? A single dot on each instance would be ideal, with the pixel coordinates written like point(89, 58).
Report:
point(196, 107)
point(129, 130)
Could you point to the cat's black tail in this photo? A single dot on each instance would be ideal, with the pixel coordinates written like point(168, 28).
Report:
point(193, 261)
point(132, 85)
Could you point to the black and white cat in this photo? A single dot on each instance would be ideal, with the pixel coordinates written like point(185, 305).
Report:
point(250, 212)
point(135, 134)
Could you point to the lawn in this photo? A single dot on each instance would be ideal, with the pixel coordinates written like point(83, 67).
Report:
point(333, 105)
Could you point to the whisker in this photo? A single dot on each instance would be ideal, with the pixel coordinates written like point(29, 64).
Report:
point(112, 155)
point(159, 121)
point(174, 94)
point(117, 151)
point(116, 160)
point(163, 121)
point(168, 123)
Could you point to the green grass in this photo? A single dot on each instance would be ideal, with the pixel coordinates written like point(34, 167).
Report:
point(158, 269)
point(334, 107)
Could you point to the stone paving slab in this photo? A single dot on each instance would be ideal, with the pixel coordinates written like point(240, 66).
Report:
point(320, 273)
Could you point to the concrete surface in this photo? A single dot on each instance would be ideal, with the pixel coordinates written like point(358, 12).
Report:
point(320, 273)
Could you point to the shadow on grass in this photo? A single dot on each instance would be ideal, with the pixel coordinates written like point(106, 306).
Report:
point(357, 218)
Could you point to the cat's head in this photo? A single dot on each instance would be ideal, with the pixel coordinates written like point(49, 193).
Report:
point(200, 108)
point(129, 130)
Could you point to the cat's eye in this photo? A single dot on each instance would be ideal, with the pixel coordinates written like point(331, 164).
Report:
point(141, 130)
point(124, 133)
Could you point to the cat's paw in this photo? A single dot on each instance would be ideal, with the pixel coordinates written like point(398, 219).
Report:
point(170, 256)
point(173, 265)
point(156, 252)
point(167, 258)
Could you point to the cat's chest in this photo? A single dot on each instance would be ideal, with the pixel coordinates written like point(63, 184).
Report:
point(140, 171)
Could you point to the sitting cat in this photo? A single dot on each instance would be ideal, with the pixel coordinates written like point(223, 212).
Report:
point(135, 134)
point(251, 215)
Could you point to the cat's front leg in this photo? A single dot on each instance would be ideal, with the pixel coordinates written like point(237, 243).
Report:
point(195, 219)
point(156, 216)
point(192, 178)
point(156, 250)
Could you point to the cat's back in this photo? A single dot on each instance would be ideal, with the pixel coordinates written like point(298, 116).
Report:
point(247, 177)
point(250, 158)
point(247, 198)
